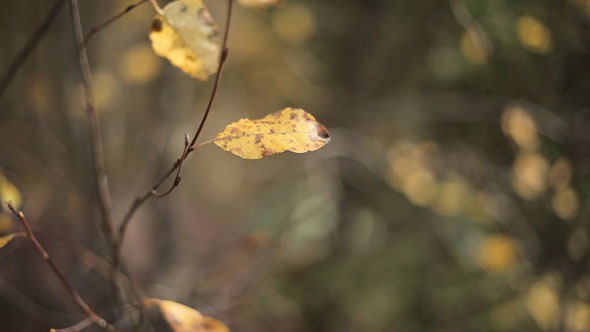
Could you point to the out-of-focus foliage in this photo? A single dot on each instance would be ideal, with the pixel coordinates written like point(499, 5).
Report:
point(261, 3)
point(180, 318)
point(4, 240)
point(453, 196)
point(290, 129)
point(187, 36)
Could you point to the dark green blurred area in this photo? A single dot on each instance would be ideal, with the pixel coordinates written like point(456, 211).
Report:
point(453, 195)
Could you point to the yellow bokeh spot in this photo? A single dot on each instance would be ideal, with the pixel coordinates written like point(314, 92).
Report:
point(543, 303)
point(534, 35)
point(8, 193)
point(497, 253)
point(529, 175)
point(103, 88)
point(40, 93)
point(452, 196)
point(139, 65)
point(294, 24)
point(474, 48)
point(560, 174)
point(565, 203)
point(420, 187)
point(518, 124)
point(578, 316)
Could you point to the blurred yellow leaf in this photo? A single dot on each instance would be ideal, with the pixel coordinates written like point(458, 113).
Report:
point(187, 36)
point(5, 239)
point(139, 65)
point(542, 303)
point(261, 3)
point(181, 318)
point(565, 203)
point(295, 24)
point(290, 129)
point(475, 47)
point(578, 316)
point(420, 186)
point(517, 123)
point(8, 193)
point(534, 35)
point(497, 253)
point(529, 175)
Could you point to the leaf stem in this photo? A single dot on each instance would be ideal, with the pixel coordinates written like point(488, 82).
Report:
point(157, 7)
point(75, 296)
point(96, 29)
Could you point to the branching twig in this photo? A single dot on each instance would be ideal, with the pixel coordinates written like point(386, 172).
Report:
point(139, 201)
point(102, 185)
point(106, 23)
point(30, 46)
point(91, 314)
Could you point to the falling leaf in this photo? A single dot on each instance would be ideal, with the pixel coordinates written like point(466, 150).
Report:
point(5, 239)
point(290, 129)
point(187, 36)
point(261, 4)
point(181, 318)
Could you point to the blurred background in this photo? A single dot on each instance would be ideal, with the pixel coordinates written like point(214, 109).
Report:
point(453, 196)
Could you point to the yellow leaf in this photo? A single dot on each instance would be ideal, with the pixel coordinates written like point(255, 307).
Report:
point(181, 318)
point(290, 129)
point(187, 36)
point(5, 239)
point(261, 3)
point(8, 193)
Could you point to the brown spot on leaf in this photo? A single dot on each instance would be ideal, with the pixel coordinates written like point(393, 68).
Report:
point(156, 25)
point(258, 138)
point(322, 131)
point(234, 130)
point(267, 152)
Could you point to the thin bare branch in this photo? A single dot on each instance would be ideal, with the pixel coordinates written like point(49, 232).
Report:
point(108, 22)
point(100, 177)
point(75, 296)
point(177, 166)
point(30, 46)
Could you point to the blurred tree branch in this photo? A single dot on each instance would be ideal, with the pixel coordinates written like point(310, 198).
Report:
point(22, 56)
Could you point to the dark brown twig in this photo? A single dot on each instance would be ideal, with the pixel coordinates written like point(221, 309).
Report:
point(102, 185)
point(30, 46)
point(75, 296)
point(106, 23)
point(188, 149)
